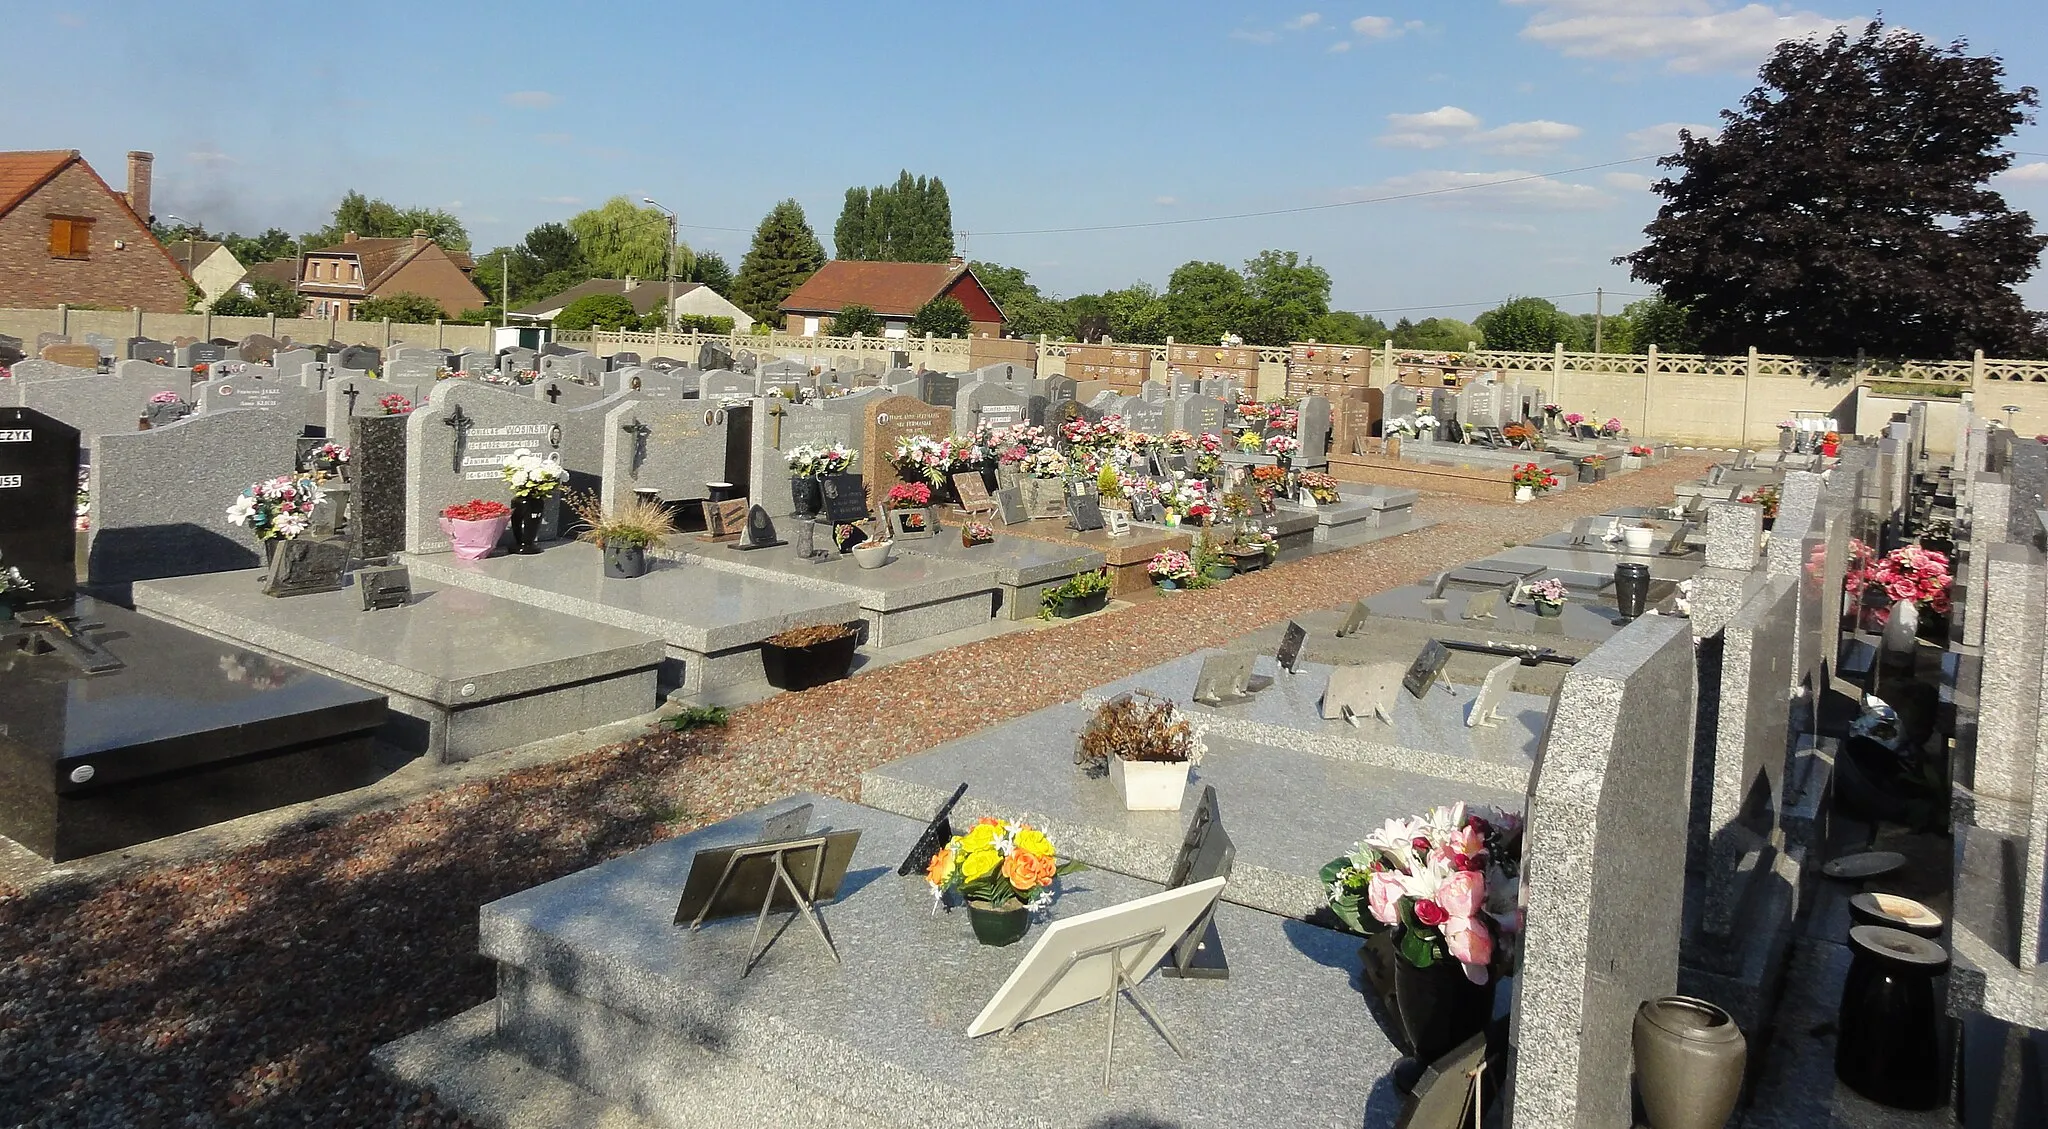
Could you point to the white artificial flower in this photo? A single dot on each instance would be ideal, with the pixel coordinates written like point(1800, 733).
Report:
point(243, 509)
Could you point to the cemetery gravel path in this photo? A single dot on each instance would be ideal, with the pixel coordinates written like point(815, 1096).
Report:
point(248, 989)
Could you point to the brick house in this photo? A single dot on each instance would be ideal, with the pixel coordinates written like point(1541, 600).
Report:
point(334, 280)
point(896, 291)
point(68, 239)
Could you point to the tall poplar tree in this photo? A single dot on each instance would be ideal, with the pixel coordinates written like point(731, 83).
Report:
point(910, 221)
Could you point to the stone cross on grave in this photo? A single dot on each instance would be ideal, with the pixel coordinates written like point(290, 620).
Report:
point(775, 412)
point(554, 393)
point(461, 423)
point(639, 431)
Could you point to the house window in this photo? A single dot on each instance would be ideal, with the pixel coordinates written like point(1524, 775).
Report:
point(70, 237)
point(355, 272)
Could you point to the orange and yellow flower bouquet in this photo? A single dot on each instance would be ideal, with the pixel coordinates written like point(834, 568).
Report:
point(999, 863)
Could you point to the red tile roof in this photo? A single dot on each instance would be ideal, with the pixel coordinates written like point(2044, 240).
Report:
point(22, 173)
point(890, 289)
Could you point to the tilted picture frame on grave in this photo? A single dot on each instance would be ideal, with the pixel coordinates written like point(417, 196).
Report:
point(1010, 506)
point(1206, 852)
point(1355, 693)
point(1288, 654)
point(384, 587)
point(1084, 512)
point(724, 520)
point(1116, 523)
point(1485, 710)
point(1426, 669)
point(793, 875)
point(973, 493)
point(1354, 620)
point(1227, 678)
point(913, 523)
point(304, 566)
point(933, 838)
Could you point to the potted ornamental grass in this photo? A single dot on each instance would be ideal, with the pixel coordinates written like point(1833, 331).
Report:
point(803, 657)
point(1145, 745)
point(1548, 595)
point(1000, 868)
point(1531, 480)
point(1171, 569)
point(624, 532)
point(1436, 898)
point(1082, 594)
point(474, 527)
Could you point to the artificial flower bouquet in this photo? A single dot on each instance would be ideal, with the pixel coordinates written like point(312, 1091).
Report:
point(394, 404)
point(531, 476)
point(1909, 573)
point(1549, 591)
point(977, 533)
point(1171, 564)
point(1641, 452)
point(1179, 442)
point(1573, 419)
point(1320, 486)
point(921, 456)
point(999, 863)
point(1044, 463)
point(1249, 442)
point(1613, 426)
point(1448, 882)
point(909, 496)
point(476, 509)
point(806, 461)
point(278, 509)
point(1766, 496)
point(1284, 446)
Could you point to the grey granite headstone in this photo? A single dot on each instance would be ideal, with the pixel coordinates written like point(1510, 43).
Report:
point(160, 497)
point(1739, 766)
point(369, 393)
point(35, 368)
point(1734, 535)
point(247, 390)
point(151, 350)
point(1603, 875)
point(361, 357)
point(1200, 415)
point(1313, 432)
point(100, 405)
point(416, 368)
point(994, 406)
point(674, 447)
point(455, 456)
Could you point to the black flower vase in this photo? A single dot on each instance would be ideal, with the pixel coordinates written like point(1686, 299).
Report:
point(806, 495)
point(1439, 1008)
point(527, 511)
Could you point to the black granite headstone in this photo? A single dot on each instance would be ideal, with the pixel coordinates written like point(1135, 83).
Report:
point(387, 587)
point(39, 503)
point(846, 497)
point(760, 530)
point(377, 474)
point(1084, 512)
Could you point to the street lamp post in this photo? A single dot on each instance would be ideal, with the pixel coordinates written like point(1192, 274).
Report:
point(668, 258)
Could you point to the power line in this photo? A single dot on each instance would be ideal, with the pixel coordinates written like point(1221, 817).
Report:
point(1315, 207)
point(1498, 301)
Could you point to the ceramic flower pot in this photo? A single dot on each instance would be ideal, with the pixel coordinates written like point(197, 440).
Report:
point(1221, 571)
point(1548, 610)
point(1149, 785)
point(1439, 1007)
point(1638, 538)
point(1524, 494)
point(871, 554)
point(527, 511)
point(1168, 584)
point(474, 540)
point(624, 562)
point(1689, 1062)
point(997, 926)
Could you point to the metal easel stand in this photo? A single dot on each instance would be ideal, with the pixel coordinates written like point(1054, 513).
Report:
point(1120, 984)
point(782, 879)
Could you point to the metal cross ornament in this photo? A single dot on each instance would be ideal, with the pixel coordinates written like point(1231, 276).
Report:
point(461, 423)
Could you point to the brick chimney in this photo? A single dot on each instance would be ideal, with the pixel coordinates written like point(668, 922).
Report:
point(139, 164)
point(349, 237)
point(631, 283)
point(419, 238)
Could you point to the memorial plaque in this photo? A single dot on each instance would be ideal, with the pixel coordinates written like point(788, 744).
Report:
point(1485, 711)
point(1482, 605)
point(1116, 523)
point(760, 530)
point(1355, 620)
point(1226, 678)
point(973, 492)
point(912, 524)
point(304, 566)
point(1289, 653)
point(1148, 510)
point(38, 502)
point(724, 520)
point(1010, 505)
point(1355, 693)
point(1206, 852)
point(846, 498)
point(1427, 667)
point(382, 588)
point(1084, 512)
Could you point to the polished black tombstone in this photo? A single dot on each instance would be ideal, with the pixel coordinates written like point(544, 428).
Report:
point(39, 503)
point(119, 729)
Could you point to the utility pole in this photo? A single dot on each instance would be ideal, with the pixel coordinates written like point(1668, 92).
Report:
point(1599, 315)
point(668, 257)
point(505, 280)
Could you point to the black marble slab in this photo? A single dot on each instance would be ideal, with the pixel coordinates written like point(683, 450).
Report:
point(189, 732)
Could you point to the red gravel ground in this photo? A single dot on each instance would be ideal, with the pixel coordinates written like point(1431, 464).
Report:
point(248, 990)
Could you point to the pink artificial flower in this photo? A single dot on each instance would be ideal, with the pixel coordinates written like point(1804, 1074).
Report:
point(1466, 841)
point(1383, 898)
point(1428, 912)
point(1462, 894)
point(1471, 945)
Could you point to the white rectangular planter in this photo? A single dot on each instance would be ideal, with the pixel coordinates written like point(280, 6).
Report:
point(1150, 785)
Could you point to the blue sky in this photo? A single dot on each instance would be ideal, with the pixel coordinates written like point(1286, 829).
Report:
point(1043, 116)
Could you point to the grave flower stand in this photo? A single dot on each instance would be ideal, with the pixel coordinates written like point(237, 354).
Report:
point(475, 540)
point(1150, 785)
point(1068, 607)
point(808, 656)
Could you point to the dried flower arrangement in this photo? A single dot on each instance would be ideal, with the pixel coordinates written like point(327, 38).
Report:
point(1137, 726)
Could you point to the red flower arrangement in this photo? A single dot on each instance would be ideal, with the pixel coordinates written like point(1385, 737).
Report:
point(1911, 573)
point(1534, 477)
point(909, 496)
point(394, 404)
point(476, 509)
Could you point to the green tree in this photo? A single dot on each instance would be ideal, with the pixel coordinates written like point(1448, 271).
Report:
point(855, 318)
point(711, 269)
point(1436, 335)
point(785, 253)
point(1204, 301)
point(496, 266)
point(553, 248)
point(1342, 327)
point(1284, 296)
point(1026, 312)
point(603, 311)
point(1528, 325)
point(1846, 205)
point(404, 306)
point(910, 221)
point(273, 297)
point(1667, 325)
point(275, 243)
point(621, 239)
point(943, 316)
point(380, 220)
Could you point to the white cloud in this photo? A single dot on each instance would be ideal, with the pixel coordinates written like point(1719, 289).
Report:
point(1413, 140)
point(1165, 201)
point(531, 99)
point(1376, 27)
point(1526, 137)
point(1505, 190)
point(1339, 47)
point(1664, 138)
point(2033, 172)
point(1441, 118)
point(1629, 181)
point(209, 157)
point(1303, 21)
point(564, 201)
point(1688, 35)
point(1259, 37)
